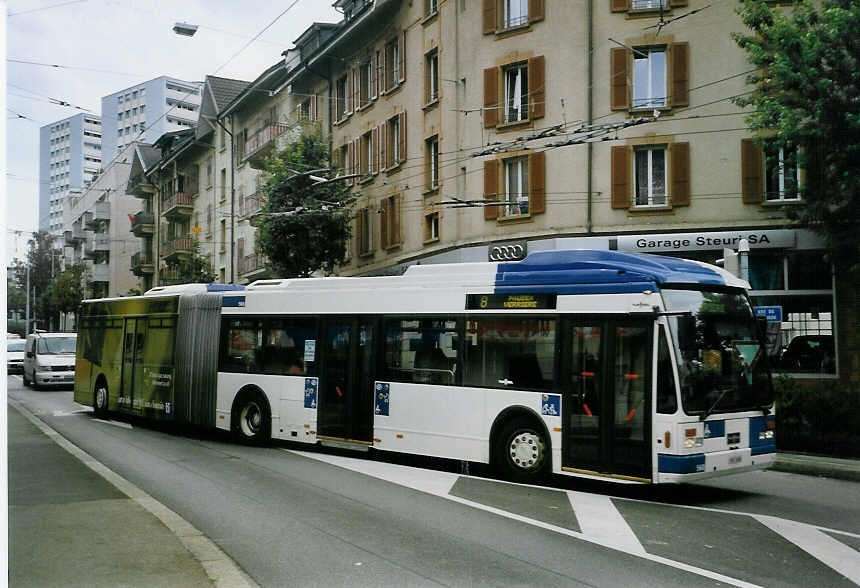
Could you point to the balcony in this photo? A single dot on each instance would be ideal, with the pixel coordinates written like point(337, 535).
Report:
point(141, 264)
point(253, 267)
point(177, 206)
point(139, 186)
point(75, 236)
point(101, 242)
point(101, 211)
point(251, 204)
point(143, 223)
point(259, 145)
point(177, 248)
point(88, 221)
point(100, 272)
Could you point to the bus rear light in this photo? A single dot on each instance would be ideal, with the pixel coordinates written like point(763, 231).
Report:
point(667, 439)
point(771, 424)
point(690, 432)
point(399, 435)
point(556, 429)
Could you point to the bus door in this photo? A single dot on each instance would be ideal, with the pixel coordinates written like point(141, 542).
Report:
point(132, 363)
point(607, 408)
point(345, 408)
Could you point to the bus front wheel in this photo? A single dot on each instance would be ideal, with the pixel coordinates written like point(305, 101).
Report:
point(522, 451)
point(100, 399)
point(251, 422)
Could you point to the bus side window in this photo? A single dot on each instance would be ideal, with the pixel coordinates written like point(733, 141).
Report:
point(667, 401)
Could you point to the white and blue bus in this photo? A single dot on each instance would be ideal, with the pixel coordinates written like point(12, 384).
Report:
point(603, 364)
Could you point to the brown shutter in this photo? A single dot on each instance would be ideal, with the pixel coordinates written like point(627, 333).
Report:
point(677, 3)
point(350, 156)
point(395, 220)
point(680, 74)
point(426, 79)
point(371, 81)
point(383, 222)
point(537, 183)
point(356, 88)
point(620, 177)
point(359, 230)
point(374, 145)
point(402, 137)
point(536, 10)
point(363, 153)
point(619, 5)
point(491, 188)
point(618, 58)
point(490, 18)
point(380, 73)
point(751, 171)
point(537, 83)
point(401, 53)
point(491, 96)
point(679, 160)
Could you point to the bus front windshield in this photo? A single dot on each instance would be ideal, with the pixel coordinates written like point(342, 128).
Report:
point(721, 363)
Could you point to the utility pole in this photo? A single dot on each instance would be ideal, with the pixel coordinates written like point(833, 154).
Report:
point(27, 312)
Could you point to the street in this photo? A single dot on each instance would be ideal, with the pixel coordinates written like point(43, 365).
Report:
point(288, 516)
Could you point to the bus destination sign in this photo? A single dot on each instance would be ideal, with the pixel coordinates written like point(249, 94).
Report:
point(510, 301)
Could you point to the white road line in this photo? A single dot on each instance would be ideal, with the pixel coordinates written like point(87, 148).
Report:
point(598, 518)
point(115, 423)
point(822, 547)
point(435, 483)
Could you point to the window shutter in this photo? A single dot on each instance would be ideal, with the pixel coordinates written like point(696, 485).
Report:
point(380, 74)
point(680, 74)
point(383, 222)
point(383, 146)
point(537, 81)
point(752, 169)
point(679, 159)
point(536, 10)
point(374, 145)
point(619, 5)
point(426, 79)
point(359, 230)
point(537, 183)
point(356, 88)
point(395, 220)
point(401, 54)
point(491, 188)
point(620, 177)
point(402, 137)
point(618, 59)
point(371, 80)
point(677, 3)
point(491, 96)
point(490, 18)
point(362, 164)
point(350, 156)
point(313, 108)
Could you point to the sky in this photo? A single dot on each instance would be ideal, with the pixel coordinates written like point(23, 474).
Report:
point(128, 42)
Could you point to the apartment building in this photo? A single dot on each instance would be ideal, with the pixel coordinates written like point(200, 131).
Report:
point(146, 111)
point(485, 130)
point(70, 158)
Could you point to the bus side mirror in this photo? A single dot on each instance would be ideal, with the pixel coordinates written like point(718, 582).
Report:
point(686, 332)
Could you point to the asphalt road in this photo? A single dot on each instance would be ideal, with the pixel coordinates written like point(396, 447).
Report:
point(292, 517)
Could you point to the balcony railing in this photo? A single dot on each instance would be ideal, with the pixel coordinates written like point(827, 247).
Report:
point(100, 272)
point(76, 235)
point(180, 204)
point(255, 262)
point(101, 211)
point(178, 246)
point(101, 243)
point(139, 185)
point(252, 203)
point(141, 263)
point(260, 144)
point(143, 223)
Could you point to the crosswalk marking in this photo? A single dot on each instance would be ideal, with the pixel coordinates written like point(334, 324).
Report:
point(599, 519)
point(819, 545)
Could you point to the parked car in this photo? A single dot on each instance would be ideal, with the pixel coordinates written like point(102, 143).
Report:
point(15, 355)
point(49, 359)
point(809, 353)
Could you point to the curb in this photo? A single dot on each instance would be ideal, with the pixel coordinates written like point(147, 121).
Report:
point(220, 568)
point(826, 467)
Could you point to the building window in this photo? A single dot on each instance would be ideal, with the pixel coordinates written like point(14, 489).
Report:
point(430, 7)
point(365, 91)
point(431, 227)
point(366, 154)
point(782, 176)
point(394, 62)
point(514, 13)
point(432, 163)
point(209, 173)
point(650, 172)
point(223, 184)
point(516, 186)
point(431, 76)
point(304, 111)
point(395, 147)
point(363, 232)
point(390, 222)
point(649, 77)
point(516, 92)
point(340, 98)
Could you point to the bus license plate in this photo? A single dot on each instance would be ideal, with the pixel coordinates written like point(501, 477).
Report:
point(734, 460)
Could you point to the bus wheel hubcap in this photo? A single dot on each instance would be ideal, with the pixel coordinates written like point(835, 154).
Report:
point(251, 419)
point(101, 398)
point(526, 450)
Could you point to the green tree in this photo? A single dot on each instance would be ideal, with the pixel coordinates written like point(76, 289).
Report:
point(190, 270)
point(305, 224)
point(67, 290)
point(16, 297)
point(806, 103)
point(44, 261)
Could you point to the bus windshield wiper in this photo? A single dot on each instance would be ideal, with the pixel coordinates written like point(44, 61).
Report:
point(708, 412)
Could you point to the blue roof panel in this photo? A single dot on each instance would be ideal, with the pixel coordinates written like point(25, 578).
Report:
point(599, 272)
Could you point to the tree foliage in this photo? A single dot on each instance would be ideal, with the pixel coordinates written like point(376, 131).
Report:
point(304, 226)
point(67, 290)
point(194, 269)
point(808, 99)
point(44, 261)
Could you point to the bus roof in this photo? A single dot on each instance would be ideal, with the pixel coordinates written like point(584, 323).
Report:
point(192, 289)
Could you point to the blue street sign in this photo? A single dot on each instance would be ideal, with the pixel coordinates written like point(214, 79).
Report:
point(773, 314)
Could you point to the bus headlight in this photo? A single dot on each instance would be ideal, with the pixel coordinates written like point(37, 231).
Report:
point(765, 435)
point(691, 440)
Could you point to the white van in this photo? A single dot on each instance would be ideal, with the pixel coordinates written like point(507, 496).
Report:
point(49, 359)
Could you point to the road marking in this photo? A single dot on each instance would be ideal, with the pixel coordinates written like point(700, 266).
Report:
point(62, 413)
point(220, 568)
point(599, 519)
point(435, 483)
point(829, 551)
point(114, 423)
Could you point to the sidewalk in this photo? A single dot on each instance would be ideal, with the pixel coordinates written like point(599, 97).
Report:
point(816, 465)
point(70, 526)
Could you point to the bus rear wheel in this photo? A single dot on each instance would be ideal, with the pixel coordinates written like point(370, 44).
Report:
point(100, 399)
point(522, 451)
point(251, 422)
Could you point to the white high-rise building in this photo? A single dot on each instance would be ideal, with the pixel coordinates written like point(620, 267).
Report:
point(146, 111)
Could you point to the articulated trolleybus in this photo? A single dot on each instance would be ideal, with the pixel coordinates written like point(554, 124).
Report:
point(627, 367)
